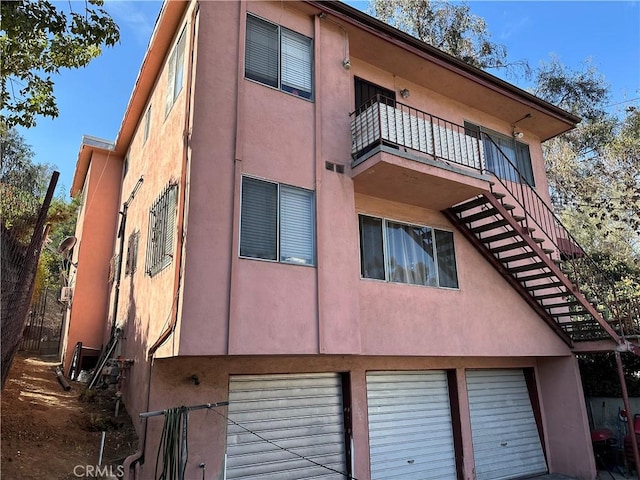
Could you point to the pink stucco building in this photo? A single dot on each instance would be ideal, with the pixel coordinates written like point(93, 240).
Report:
point(344, 233)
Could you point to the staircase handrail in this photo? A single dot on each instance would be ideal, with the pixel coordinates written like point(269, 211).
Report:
point(553, 229)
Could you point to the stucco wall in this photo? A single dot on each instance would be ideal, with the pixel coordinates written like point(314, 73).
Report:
point(96, 232)
point(255, 307)
point(145, 302)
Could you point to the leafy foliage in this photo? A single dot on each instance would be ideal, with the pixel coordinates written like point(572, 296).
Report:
point(600, 375)
point(37, 40)
point(594, 171)
point(23, 185)
point(449, 27)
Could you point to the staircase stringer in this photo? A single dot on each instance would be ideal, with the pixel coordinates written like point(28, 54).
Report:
point(568, 284)
point(547, 263)
point(502, 270)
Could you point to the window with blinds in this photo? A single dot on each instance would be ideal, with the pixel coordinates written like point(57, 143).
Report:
point(162, 225)
point(175, 72)
point(277, 222)
point(279, 57)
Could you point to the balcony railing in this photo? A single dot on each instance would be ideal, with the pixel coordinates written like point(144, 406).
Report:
point(383, 121)
point(620, 310)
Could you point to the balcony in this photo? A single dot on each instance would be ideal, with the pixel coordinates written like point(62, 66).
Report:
point(406, 155)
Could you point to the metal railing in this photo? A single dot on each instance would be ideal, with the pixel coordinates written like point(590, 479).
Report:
point(582, 269)
point(384, 121)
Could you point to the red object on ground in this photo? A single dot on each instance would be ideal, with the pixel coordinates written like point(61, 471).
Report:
point(601, 435)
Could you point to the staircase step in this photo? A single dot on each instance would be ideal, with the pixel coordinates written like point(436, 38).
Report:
point(479, 216)
point(528, 267)
point(542, 286)
point(508, 206)
point(537, 276)
point(507, 247)
point(490, 226)
point(552, 295)
point(521, 256)
point(500, 236)
point(499, 195)
point(518, 218)
point(568, 314)
point(548, 251)
point(567, 303)
point(476, 202)
point(537, 240)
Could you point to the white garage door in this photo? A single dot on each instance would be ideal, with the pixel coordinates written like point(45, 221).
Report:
point(285, 427)
point(410, 433)
point(506, 443)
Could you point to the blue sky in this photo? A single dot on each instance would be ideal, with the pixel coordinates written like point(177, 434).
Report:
point(93, 100)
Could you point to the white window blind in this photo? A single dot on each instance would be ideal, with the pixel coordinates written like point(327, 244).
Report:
point(277, 222)
point(278, 57)
point(296, 61)
point(296, 225)
point(261, 57)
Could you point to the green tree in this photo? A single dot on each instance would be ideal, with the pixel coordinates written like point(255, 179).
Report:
point(38, 39)
point(594, 170)
point(449, 27)
point(22, 184)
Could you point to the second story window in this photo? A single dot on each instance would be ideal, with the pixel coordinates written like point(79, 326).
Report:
point(403, 253)
point(162, 225)
point(279, 57)
point(175, 69)
point(505, 157)
point(277, 222)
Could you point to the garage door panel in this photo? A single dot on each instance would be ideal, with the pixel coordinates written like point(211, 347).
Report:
point(506, 443)
point(295, 416)
point(410, 432)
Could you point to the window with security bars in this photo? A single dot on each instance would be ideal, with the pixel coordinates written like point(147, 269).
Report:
point(132, 254)
point(279, 57)
point(162, 225)
point(277, 222)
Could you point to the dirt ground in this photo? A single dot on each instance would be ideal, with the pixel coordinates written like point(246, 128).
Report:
point(47, 433)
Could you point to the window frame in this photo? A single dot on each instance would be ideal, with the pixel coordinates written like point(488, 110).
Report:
point(525, 170)
point(147, 124)
point(309, 96)
point(175, 64)
point(278, 231)
point(386, 256)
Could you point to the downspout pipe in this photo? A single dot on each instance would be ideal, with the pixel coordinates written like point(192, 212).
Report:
point(183, 180)
point(121, 230)
point(134, 461)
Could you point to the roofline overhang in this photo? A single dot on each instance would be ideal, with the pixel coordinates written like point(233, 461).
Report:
point(403, 40)
point(161, 40)
point(88, 145)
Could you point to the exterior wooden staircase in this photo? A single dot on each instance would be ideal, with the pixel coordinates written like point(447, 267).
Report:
point(515, 230)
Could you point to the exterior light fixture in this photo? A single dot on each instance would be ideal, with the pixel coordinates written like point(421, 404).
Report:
point(346, 63)
point(404, 93)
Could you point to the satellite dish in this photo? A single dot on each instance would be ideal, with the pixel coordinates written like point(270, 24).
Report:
point(67, 244)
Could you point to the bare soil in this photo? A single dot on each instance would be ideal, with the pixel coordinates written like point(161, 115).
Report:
point(47, 433)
